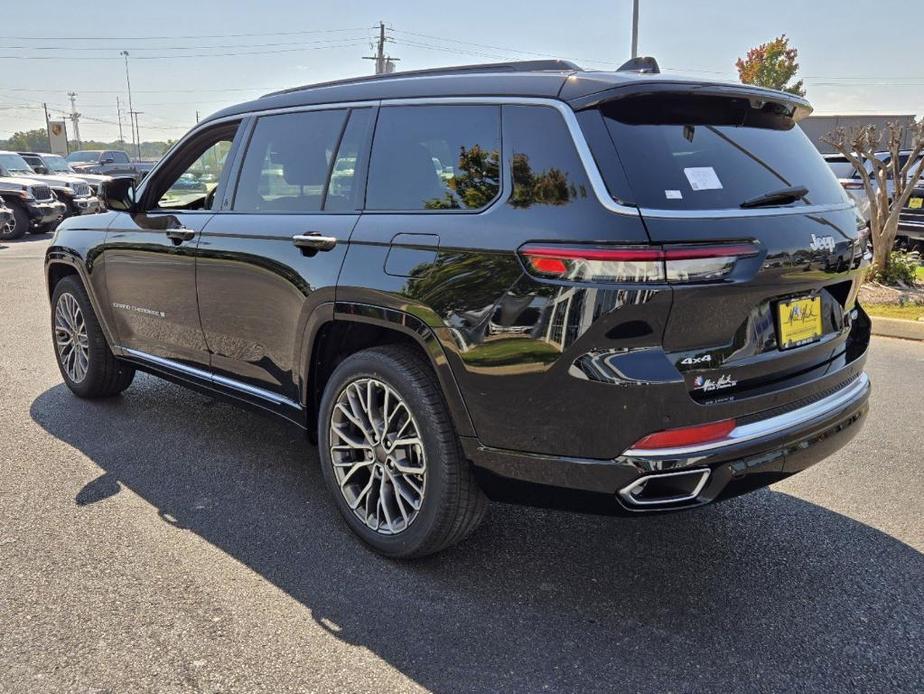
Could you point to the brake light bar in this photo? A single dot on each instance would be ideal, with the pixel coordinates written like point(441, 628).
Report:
point(686, 436)
point(636, 264)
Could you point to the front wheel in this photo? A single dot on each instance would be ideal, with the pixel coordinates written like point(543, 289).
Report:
point(391, 457)
point(18, 227)
point(87, 365)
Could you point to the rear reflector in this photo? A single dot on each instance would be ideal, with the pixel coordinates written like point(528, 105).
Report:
point(687, 436)
point(688, 263)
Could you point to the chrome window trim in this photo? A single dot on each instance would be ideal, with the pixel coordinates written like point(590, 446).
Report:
point(577, 136)
point(764, 427)
point(201, 374)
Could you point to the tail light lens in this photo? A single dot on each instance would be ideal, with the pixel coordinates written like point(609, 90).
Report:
point(686, 436)
point(643, 264)
point(851, 184)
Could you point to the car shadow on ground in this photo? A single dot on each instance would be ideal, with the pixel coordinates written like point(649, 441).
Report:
point(764, 592)
point(40, 236)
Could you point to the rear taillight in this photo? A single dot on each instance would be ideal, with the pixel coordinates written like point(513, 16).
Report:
point(848, 184)
point(702, 263)
point(686, 436)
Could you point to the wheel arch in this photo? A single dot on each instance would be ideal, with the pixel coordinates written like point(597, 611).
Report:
point(348, 327)
point(60, 263)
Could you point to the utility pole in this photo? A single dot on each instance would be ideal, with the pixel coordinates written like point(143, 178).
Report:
point(137, 133)
point(635, 28)
point(75, 117)
point(131, 112)
point(383, 63)
point(47, 129)
point(119, 116)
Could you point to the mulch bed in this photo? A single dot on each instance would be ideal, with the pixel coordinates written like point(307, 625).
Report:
point(875, 293)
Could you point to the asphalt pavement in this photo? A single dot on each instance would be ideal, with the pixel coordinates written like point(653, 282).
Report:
point(166, 541)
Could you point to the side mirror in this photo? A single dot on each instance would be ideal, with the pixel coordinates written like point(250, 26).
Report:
point(107, 160)
point(118, 193)
point(41, 170)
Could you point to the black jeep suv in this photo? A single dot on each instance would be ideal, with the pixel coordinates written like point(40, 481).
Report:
point(606, 291)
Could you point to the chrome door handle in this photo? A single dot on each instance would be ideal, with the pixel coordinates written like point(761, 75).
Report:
point(315, 241)
point(181, 234)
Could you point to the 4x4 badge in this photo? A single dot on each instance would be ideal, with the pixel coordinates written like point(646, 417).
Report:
point(697, 360)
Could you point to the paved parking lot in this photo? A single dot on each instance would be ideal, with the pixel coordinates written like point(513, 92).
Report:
point(165, 541)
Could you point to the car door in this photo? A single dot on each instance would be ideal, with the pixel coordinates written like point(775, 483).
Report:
point(150, 254)
point(271, 256)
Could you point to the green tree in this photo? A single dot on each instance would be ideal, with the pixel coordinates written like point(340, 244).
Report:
point(29, 141)
point(772, 65)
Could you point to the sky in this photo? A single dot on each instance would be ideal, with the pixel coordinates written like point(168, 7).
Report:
point(201, 55)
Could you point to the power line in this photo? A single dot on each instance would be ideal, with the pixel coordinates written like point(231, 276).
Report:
point(96, 39)
point(187, 56)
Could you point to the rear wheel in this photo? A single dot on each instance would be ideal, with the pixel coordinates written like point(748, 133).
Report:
point(19, 225)
point(87, 365)
point(391, 457)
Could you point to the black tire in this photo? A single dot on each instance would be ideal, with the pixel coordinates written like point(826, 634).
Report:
point(104, 375)
point(453, 505)
point(20, 224)
point(43, 228)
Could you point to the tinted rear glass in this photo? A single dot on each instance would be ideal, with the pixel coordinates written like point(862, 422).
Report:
point(704, 152)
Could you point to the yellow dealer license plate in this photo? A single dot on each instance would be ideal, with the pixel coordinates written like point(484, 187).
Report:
point(800, 321)
point(915, 203)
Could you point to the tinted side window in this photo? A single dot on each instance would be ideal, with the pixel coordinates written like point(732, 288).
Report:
point(435, 158)
point(117, 157)
point(545, 167)
point(287, 162)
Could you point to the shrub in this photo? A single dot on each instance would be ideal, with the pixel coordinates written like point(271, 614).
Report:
point(901, 268)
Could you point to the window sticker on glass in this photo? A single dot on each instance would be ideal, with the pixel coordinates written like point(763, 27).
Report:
point(673, 195)
point(703, 178)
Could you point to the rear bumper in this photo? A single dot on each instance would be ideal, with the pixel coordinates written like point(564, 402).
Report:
point(752, 456)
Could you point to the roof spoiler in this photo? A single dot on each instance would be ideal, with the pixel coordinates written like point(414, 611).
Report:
point(644, 64)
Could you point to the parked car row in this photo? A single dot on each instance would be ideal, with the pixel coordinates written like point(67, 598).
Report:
point(38, 190)
point(911, 220)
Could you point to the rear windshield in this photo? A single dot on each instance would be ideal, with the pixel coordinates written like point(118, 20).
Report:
point(83, 156)
point(705, 152)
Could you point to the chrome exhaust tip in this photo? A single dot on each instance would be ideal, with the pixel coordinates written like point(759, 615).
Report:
point(665, 488)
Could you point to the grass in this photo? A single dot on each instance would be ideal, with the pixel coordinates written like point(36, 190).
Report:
point(919, 273)
point(908, 312)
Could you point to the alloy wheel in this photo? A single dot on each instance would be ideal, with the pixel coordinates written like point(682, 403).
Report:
point(378, 456)
point(71, 337)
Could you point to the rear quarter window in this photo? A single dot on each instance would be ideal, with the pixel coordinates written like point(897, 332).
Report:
point(702, 152)
point(435, 158)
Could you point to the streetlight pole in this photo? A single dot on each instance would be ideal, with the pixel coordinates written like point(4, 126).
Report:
point(131, 109)
point(635, 28)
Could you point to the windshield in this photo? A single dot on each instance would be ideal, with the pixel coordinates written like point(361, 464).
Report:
point(83, 156)
point(14, 164)
point(57, 164)
point(704, 152)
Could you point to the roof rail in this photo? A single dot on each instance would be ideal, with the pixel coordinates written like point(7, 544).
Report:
point(643, 64)
point(512, 66)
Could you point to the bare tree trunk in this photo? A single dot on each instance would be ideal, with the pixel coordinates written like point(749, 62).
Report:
point(883, 244)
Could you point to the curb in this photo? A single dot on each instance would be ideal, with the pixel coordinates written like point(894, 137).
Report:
point(897, 327)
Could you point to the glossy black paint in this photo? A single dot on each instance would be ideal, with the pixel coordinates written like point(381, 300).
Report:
point(547, 382)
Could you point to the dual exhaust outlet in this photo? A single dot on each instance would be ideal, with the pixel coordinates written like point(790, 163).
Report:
point(664, 489)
